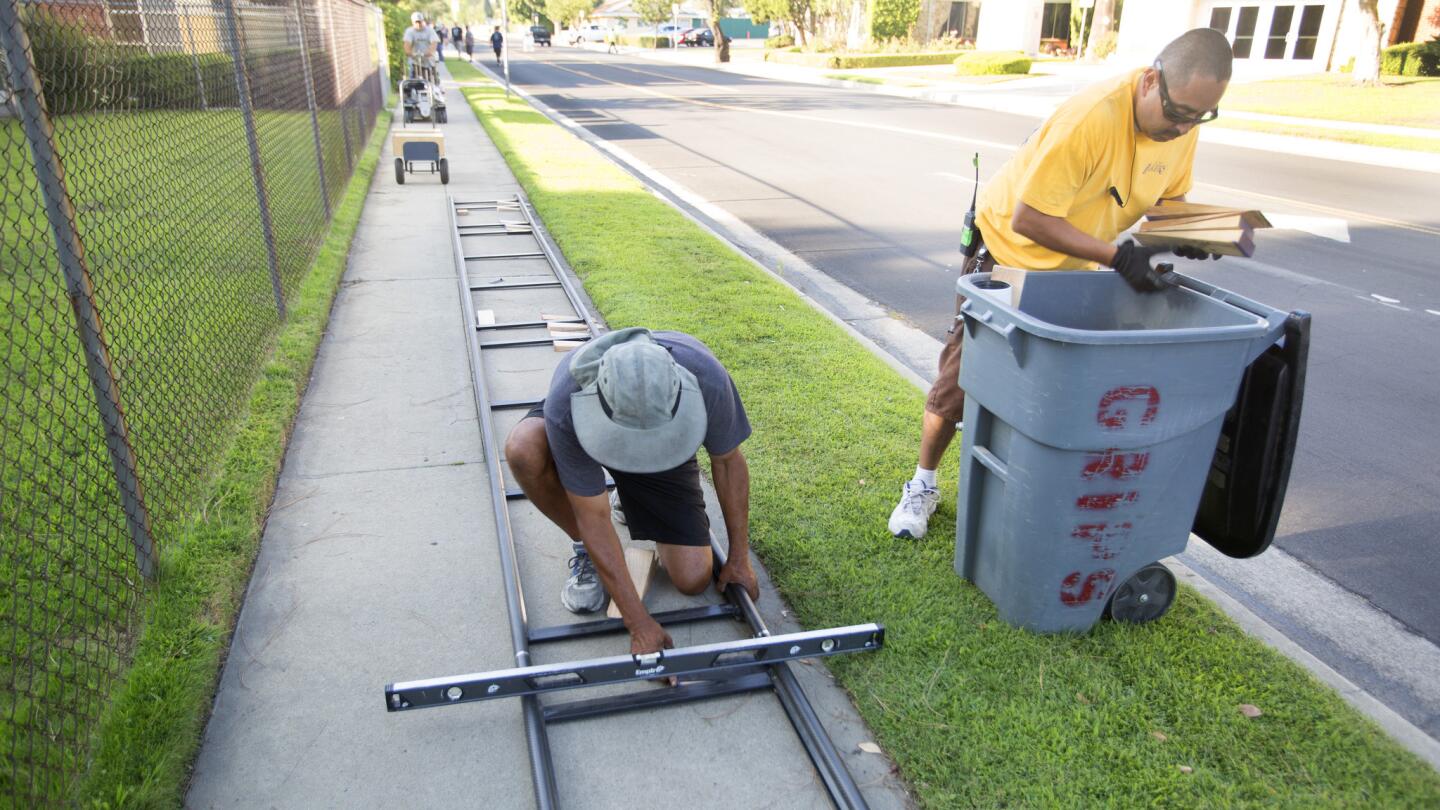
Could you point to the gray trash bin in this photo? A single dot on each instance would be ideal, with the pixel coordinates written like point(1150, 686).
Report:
point(1091, 418)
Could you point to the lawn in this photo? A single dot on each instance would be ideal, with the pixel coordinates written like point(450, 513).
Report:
point(975, 713)
point(168, 216)
point(1343, 135)
point(1400, 100)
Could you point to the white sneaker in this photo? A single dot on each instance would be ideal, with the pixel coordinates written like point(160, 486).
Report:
point(911, 517)
point(617, 512)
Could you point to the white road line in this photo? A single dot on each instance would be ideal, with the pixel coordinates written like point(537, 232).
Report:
point(1433, 311)
point(1384, 299)
point(950, 176)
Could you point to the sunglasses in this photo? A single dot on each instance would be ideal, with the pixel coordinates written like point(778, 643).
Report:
point(1168, 107)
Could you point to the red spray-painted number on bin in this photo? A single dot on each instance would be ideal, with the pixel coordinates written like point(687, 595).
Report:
point(1115, 464)
point(1118, 404)
point(1109, 500)
point(1076, 591)
point(1103, 538)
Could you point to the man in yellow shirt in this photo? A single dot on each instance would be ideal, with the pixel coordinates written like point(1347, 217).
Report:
point(1087, 174)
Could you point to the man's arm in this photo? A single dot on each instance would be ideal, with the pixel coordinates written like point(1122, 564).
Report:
point(732, 486)
point(1059, 235)
point(592, 514)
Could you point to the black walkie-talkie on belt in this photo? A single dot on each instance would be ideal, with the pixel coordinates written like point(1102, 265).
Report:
point(969, 241)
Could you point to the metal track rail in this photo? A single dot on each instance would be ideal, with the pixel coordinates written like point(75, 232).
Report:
point(702, 671)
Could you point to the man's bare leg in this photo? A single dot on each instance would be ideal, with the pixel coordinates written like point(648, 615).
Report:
point(527, 451)
point(936, 433)
point(689, 567)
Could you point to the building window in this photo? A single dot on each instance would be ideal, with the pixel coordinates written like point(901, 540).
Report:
point(1309, 32)
point(1220, 19)
point(1245, 31)
point(1279, 30)
point(1055, 24)
point(964, 20)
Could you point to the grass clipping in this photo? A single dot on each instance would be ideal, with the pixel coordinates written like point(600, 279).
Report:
point(975, 713)
point(151, 731)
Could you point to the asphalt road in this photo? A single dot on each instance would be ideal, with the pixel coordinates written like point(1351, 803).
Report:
point(871, 189)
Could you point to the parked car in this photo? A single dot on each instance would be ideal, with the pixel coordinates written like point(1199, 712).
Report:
point(698, 37)
point(540, 34)
point(589, 32)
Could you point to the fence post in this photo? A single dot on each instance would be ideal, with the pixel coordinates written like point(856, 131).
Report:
point(257, 171)
point(60, 212)
point(189, 41)
point(310, 99)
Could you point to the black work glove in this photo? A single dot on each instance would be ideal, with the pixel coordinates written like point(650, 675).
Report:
point(1132, 262)
point(1191, 252)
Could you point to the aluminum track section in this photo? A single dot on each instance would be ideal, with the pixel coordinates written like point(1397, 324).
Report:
point(704, 671)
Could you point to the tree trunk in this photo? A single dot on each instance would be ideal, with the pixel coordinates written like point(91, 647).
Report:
point(1101, 23)
point(1367, 61)
point(722, 42)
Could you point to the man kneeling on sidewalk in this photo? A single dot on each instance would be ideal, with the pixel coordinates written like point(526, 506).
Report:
point(639, 404)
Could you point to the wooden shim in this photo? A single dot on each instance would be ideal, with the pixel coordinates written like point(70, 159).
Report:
point(552, 317)
point(1233, 242)
point(484, 317)
point(567, 327)
point(1175, 211)
point(567, 345)
point(640, 562)
point(1013, 276)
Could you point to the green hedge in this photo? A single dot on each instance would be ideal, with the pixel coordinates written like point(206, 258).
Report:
point(645, 41)
point(851, 61)
point(992, 63)
point(1411, 59)
point(782, 41)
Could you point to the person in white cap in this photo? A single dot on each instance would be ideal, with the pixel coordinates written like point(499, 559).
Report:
point(638, 403)
point(420, 42)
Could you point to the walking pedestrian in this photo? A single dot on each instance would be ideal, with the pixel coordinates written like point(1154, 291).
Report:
point(469, 43)
point(443, 33)
point(457, 35)
point(497, 41)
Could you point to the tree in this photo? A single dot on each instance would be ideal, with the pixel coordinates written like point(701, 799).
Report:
point(1102, 26)
point(568, 13)
point(1367, 59)
point(798, 13)
point(714, 11)
point(652, 12)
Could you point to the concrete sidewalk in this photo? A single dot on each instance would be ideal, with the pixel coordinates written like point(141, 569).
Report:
point(379, 563)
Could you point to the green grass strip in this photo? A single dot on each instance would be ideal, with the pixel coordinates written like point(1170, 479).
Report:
point(151, 731)
point(975, 713)
point(463, 71)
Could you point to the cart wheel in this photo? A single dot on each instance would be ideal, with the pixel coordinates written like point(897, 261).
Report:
point(441, 116)
point(1143, 597)
point(444, 170)
point(400, 171)
point(409, 115)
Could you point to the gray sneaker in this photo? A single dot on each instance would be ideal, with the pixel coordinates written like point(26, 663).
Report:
point(583, 591)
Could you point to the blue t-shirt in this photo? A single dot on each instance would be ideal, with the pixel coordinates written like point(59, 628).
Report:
point(727, 424)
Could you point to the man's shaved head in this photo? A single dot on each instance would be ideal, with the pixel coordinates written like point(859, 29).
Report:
point(1198, 52)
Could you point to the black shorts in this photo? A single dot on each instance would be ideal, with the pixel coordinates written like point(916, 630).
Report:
point(667, 507)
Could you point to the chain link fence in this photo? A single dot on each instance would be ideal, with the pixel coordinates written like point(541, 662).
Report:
point(168, 170)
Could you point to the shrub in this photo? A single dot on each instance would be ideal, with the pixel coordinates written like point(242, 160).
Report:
point(1104, 45)
point(782, 41)
point(645, 41)
point(874, 60)
point(1411, 59)
point(892, 19)
point(992, 63)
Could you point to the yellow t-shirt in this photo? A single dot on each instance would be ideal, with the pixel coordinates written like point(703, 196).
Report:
point(1067, 168)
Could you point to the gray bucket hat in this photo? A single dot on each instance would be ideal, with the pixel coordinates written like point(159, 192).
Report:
point(637, 410)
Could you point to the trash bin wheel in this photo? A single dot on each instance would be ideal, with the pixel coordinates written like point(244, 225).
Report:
point(1144, 597)
point(409, 115)
point(441, 116)
point(400, 171)
point(444, 170)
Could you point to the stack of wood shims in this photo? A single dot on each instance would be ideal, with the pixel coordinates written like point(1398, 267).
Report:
point(1212, 228)
point(565, 332)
